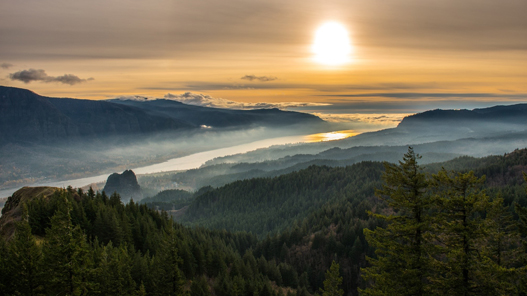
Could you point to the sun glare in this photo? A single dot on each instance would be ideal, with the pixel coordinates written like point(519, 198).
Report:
point(331, 136)
point(332, 44)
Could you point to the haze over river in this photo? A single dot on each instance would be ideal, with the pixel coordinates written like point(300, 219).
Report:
point(195, 160)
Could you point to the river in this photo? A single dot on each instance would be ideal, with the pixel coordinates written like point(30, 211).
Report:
point(184, 163)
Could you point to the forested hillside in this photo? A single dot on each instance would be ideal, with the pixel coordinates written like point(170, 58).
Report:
point(76, 243)
point(269, 205)
point(300, 222)
point(332, 228)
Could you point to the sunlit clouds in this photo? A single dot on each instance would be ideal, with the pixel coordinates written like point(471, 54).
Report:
point(388, 120)
point(196, 99)
point(276, 52)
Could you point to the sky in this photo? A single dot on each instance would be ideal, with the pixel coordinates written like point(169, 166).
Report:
point(406, 55)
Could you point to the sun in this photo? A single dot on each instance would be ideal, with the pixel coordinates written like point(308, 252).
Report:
point(332, 44)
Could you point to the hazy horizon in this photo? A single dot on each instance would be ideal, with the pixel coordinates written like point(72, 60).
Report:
point(397, 57)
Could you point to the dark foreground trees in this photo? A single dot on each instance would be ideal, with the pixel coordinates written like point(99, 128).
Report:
point(145, 253)
point(443, 236)
point(402, 264)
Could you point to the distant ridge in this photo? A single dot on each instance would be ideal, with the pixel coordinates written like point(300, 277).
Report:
point(513, 115)
point(26, 117)
point(217, 117)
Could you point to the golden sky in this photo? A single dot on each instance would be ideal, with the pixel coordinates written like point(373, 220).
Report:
point(407, 55)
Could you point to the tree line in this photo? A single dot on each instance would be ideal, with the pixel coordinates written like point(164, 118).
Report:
point(86, 243)
point(444, 236)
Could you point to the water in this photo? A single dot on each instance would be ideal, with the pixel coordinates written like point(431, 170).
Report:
point(181, 163)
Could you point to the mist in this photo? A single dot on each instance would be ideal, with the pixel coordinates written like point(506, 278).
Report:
point(80, 162)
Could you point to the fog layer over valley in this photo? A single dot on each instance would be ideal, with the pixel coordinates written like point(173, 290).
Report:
point(438, 135)
point(51, 139)
point(61, 142)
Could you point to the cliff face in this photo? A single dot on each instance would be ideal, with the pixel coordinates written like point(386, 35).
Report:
point(125, 185)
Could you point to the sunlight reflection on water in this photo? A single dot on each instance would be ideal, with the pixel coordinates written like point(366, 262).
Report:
point(331, 136)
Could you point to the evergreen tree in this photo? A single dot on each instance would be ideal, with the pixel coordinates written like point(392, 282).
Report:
point(199, 287)
point(170, 279)
point(25, 259)
point(522, 227)
point(333, 281)
point(402, 263)
point(5, 276)
point(66, 255)
point(114, 272)
point(460, 234)
point(501, 247)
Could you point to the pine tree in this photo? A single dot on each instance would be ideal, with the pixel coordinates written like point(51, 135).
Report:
point(114, 271)
point(25, 259)
point(170, 279)
point(199, 287)
point(460, 232)
point(402, 263)
point(501, 247)
point(66, 255)
point(333, 281)
point(522, 228)
point(5, 276)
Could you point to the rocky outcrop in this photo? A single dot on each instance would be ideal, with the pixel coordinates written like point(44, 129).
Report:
point(125, 185)
point(12, 211)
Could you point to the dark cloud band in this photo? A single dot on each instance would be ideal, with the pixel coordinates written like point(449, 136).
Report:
point(6, 65)
point(30, 75)
point(259, 78)
point(428, 95)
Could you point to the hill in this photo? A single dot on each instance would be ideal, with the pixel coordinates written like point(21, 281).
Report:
point(26, 117)
point(12, 210)
point(271, 204)
point(51, 139)
point(309, 218)
point(305, 220)
point(30, 118)
point(218, 118)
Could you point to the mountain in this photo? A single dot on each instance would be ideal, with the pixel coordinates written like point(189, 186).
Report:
point(125, 185)
point(216, 117)
point(26, 117)
point(497, 119)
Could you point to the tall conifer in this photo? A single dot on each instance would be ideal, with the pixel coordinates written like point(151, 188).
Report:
point(333, 281)
point(402, 263)
point(460, 232)
point(25, 259)
point(66, 254)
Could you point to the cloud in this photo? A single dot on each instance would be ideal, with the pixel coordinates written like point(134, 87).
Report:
point(391, 119)
point(195, 99)
point(134, 98)
point(6, 65)
point(208, 101)
point(259, 78)
point(27, 76)
point(430, 95)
